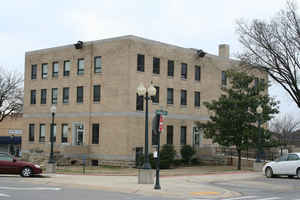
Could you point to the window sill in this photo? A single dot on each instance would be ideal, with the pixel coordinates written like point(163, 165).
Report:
point(140, 71)
point(183, 79)
point(96, 102)
point(170, 105)
point(98, 73)
point(155, 75)
point(183, 106)
point(66, 103)
point(170, 77)
point(139, 111)
point(154, 103)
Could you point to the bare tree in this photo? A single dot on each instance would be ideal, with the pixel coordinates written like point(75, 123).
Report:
point(11, 93)
point(284, 128)
point(274, 47)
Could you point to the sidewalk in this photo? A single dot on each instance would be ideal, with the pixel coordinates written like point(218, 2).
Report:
point(188, 186)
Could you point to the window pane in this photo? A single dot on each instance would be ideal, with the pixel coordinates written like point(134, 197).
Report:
point(183, 97)
point(55, 69)
point(139, 102)
point(197, 73)
point(33, 97)
point(140, 63)
point(95, 134)
point(170, 68)
point(197, 99)
point(44, 70)
point(67, 65)
point(169, 134)
point(183, 70)
point(54, 95)
point(43, 96)
point(170, 96)
point(183, 135)
point(224, 78)
point(97, 93)
point(97, 64)
point(80, 94)
point(80, 67)
point(156, 65)
point(42, 133)
point(33, 71)
point(64, 134)
point(31, 133)
point(65, 95)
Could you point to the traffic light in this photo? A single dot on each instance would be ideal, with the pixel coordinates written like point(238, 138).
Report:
point(155, 123)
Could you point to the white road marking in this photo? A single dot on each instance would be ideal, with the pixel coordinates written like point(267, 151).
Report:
point(4, 195)
point(30, 188)
point(237, 198)
point(270, 198)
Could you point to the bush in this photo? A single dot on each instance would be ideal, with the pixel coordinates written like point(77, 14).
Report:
point(195, 161)
point(167, 156)
point(187, 153)
point(177, 162)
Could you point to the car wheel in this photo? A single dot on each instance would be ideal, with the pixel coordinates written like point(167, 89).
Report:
point(269, 172)
point(298, 173)
point(26, 172)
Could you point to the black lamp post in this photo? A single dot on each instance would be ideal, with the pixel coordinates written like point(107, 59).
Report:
point(53, 111)
point(142, 91)
point(259, 110)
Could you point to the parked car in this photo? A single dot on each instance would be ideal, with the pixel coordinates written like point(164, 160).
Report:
point(10, 165)
point(288, 164)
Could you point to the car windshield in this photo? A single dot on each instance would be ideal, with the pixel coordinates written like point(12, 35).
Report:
point(5, 157)
point(282, 158)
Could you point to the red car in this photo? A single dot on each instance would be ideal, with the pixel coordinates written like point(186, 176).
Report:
point(9, 165)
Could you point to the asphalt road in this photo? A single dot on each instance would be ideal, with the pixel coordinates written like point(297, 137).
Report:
point(263, 188)
point(15, 188)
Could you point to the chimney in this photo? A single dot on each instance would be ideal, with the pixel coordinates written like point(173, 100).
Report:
point(224, 50)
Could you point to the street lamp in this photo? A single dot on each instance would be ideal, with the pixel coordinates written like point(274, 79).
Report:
point(259, 110)
point(150, 91)
point(53, 111)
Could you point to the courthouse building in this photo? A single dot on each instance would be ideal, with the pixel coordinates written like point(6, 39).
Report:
point(93, 86)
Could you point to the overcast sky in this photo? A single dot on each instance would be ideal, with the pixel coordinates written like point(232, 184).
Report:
point(36, 24)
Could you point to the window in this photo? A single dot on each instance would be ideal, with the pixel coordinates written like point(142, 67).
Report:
point(155, 99)
point(64, 133)
point(95, 134)
point(67, 66)
point(183, 97)
point(80, 66)
point(80, 94)
point(32, 96)
point(66, 92)
point(139, 102)
point(31, 133)
point(292, 157)
point(197, 99)
point(140, 63)
point(170, 67)
point(197, 73)
point(53, 126)
point(5, 157)
point(97, 93)
point(156, 65)
point(33, 72)
point(154, 138)
point(170, 99)
point(55, 69)
point(169, 134)
point(97, 64)
point(54, 95)
point(43, 96)
point(44, 70)
point(183, 135)
point(224, 78)
point(42, 133)
point(183, 70)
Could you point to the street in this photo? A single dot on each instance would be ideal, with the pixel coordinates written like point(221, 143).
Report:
point(17, 188)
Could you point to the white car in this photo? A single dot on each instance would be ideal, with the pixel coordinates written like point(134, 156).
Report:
point(288, 164)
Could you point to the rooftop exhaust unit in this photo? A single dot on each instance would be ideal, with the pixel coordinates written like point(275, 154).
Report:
point(78, 45)
point(201, 53)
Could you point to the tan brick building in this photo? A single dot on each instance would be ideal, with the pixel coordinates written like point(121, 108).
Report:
point(94, 90)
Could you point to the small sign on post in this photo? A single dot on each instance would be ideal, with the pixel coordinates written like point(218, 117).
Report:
point(161, 112)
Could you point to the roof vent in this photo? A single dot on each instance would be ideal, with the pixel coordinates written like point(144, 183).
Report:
point(78, 45)
point(201, 53)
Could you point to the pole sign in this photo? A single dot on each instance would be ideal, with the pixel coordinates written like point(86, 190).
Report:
point(161, 112)
point(161, 123)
